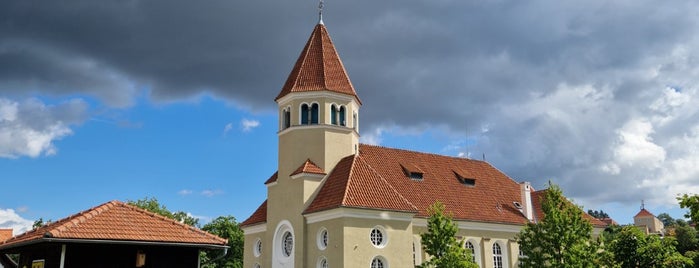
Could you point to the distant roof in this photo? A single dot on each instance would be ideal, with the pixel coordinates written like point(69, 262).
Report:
point(378, 178)
point(318, 68)
point(644, 213)
point(118, 221)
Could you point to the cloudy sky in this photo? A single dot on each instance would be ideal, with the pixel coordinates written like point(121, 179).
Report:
point(103, 100)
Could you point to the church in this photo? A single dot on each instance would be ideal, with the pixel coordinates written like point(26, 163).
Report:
point(334, 202)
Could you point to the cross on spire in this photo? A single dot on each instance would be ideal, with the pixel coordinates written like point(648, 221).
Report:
point(320, 12)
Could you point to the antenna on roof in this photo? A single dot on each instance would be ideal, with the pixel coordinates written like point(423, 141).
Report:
point(483, 157)
point(320, 12)
point(643, 205)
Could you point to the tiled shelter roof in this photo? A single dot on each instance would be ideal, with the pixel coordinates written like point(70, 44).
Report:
point(118, 221)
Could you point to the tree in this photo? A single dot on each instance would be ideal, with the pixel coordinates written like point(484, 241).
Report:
point(151, 204)
point(225, 227)
point(692, 203)
point(563, 238)
point(686, 239)
point(440, 242)
point(667, 220)
point(598, 214)
point(632, 248)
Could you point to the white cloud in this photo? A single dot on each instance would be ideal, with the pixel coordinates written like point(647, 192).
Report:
point(373, 137)
point(10, 219)
point(184, 192)
point(227, 128)
point(635, 147)
point(211, 193)
point(30, 127)
point(249, 125)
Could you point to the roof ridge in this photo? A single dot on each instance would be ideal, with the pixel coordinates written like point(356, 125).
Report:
point(74, 220)
point(349, 179)
point(173, 221)
point(420, 152)
point(385, 182)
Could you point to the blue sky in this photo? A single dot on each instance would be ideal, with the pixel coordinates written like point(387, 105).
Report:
point(174, 99)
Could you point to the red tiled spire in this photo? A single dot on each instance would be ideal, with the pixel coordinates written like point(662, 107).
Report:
point(644, 213)
point(319, 68)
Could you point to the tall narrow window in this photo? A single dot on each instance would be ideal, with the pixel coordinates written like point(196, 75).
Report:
point(355, 123)
point(342, 116)
point(497, 256)
point(287, 118)
point(471, 249)
point(333, 114)
point(314, 113)
point(305, 114)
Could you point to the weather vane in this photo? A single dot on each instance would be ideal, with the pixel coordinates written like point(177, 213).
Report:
point(320, 12)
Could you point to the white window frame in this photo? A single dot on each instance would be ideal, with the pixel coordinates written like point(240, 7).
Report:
point(321, 241)
point(257, 248)
point(384, 236)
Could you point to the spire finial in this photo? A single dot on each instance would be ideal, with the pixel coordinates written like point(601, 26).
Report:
point(643, 205)
point(320, 12)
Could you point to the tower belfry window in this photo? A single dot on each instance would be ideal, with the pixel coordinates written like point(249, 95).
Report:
point(309, 114)
point(333, 114)
point(343, 120)
point(286, 118)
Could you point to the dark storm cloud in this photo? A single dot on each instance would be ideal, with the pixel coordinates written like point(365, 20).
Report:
point(565, 90)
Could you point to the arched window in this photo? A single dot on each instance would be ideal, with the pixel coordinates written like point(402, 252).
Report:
point(379, 262)
point(343, 119)
point(305, 114)
point(314, 113)
point(497, 256)
point(471, 249)
point(333, 114)
point(286, 118)
point(355, 122)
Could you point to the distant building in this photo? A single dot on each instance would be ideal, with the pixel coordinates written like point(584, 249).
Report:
point(647, 222)
point(113, 234)
point(336, 203)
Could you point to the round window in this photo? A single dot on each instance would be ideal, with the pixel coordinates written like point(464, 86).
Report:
point(378, 237)
point(257, 249)
point(322, 239)
point(287, 244)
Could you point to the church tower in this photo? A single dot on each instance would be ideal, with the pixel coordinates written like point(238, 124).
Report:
point(318, 126)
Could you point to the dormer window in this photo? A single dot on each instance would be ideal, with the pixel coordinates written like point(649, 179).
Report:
point(413, 172)
point(309, 114)
point(465, 178)
point(337, 115)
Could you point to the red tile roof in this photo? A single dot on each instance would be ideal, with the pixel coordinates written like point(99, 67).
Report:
point(272, 178)
point(353, 183)
point(376, 179)
point(117, 221)
point(5, 234)
point(309, 167)
point(644, 213)
point(318, 68)
point(259, 216)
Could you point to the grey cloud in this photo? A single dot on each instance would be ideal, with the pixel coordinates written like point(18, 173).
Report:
point(510, 67)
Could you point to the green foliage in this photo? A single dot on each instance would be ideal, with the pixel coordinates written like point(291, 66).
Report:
point(440, 242)
point(598, 214)
point(667, 220)
point(633, 248)
point(40, 223)
point(563, 238)
point(151, 204)
point(692, 203)
point(686, 239)
point(225, 227)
